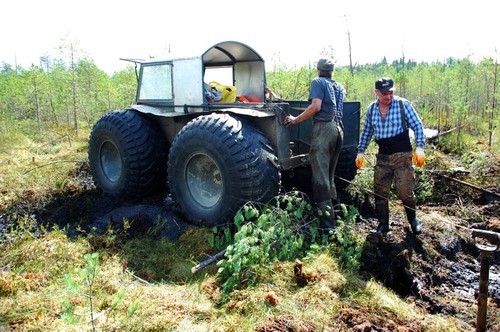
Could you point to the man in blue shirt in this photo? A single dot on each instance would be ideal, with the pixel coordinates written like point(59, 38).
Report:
point(327, 100)
point(388, 120)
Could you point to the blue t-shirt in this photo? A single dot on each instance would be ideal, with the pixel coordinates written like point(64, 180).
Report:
point(332, 95)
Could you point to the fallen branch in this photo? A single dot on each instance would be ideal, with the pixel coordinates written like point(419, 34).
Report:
point(468, 184)
point(442, 133)
point(136, 277)
point(449, 131)
point(52, 163)
point(208, 261)
point(58, 139)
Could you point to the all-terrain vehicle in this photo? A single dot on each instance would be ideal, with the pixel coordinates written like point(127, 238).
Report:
point(213, 152)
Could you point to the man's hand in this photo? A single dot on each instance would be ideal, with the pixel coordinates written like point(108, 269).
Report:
point(290, 119)
point(419, 157)
point(359, 160)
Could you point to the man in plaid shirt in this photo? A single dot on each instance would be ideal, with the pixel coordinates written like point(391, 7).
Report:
point(389, 119)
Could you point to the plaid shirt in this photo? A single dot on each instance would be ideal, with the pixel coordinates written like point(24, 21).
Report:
point(392, 125)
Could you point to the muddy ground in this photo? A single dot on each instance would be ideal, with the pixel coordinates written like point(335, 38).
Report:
point(438, 270)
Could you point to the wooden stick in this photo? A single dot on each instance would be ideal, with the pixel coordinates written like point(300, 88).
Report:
point(136, 277)
point(208, 261)
point(468, 185)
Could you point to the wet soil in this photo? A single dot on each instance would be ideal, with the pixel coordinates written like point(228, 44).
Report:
point(431, 265)
point(439, 270)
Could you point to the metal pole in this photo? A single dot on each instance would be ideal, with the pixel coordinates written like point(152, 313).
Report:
point(482, 299)
point(484, 273)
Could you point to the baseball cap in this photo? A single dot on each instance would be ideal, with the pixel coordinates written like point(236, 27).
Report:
point(384, 84)
point(325, 64)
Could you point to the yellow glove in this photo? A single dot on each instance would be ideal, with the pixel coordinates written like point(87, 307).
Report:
point(419, 157)
point(359, 160)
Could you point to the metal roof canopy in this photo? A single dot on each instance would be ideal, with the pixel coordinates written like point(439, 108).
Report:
point(228, 53)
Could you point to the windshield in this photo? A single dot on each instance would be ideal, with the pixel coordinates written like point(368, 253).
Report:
point(156, 82)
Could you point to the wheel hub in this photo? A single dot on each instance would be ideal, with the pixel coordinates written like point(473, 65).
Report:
point(111, 162)
point(204, 180)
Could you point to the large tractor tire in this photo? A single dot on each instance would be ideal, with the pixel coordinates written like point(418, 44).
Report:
point(346, 167)
point(216, 164)
point(128, 155)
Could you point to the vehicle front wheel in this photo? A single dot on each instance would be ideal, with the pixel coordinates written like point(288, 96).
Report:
point(128, 155)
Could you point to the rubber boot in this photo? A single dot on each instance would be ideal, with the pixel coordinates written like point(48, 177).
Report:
point(411, 214)
point(382, 211)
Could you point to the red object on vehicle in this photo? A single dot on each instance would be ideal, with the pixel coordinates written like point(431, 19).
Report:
point(254, 99)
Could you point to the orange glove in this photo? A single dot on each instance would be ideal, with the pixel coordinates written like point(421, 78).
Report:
point(359, 160)
point(419, 157)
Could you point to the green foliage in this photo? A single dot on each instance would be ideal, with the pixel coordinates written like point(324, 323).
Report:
point(483, 167)
point(292, 85)
point(424, 185)
point(456, 93)
point(279, 230)
point(447, 94)
point(363, 180)
point(283, 230)
point(220, 237)
point(86, 277)
point(83, 283)
point(347, 245)
point(51, 94)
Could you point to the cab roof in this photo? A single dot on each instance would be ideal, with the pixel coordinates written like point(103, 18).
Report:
point(228, 53)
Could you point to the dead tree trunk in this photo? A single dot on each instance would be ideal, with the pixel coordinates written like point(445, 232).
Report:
point(493, 105)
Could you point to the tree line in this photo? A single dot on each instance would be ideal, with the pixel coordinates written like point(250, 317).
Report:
point(455, 93)
point(62, 94)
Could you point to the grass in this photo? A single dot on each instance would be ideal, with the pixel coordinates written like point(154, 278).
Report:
point(153, 274)
point(33, 292)
point(35, 165)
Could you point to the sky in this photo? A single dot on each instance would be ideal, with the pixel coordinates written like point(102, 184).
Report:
point(287, 33)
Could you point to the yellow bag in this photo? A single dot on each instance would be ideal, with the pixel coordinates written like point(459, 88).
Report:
point(228, 92)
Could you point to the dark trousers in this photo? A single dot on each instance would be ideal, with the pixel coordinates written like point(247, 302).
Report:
point(397, 168)
point(326, 143)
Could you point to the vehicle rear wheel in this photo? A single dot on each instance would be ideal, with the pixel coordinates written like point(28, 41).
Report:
point(216, 164)
point(346, 167)
point(128, 155)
